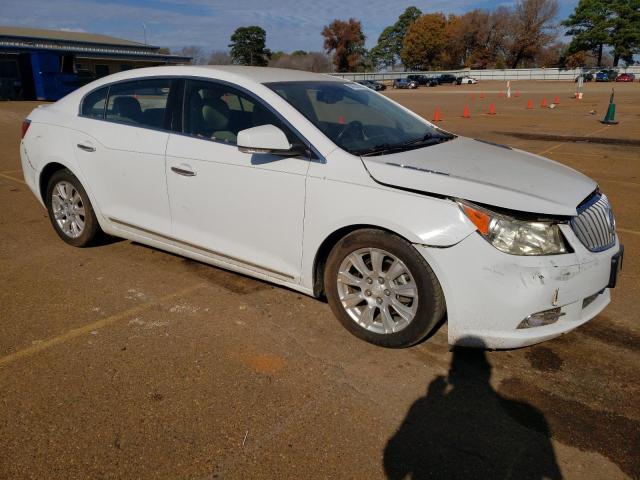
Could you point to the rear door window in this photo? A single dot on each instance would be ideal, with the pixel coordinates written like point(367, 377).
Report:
point(140, 102)
point(94, 103)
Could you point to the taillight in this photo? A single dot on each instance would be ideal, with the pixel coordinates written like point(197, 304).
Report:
point(25, 127)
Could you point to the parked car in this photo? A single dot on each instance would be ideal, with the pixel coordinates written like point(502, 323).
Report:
point(404, 83)
point(373, 85)
point(466, 80)
point(419, 79)
point(606, 76)
point(626, 77)
point(586, 77)
point(446, 78)
point(365, 83)
point(302, 180)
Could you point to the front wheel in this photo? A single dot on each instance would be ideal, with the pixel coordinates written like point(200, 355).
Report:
point(382, 290)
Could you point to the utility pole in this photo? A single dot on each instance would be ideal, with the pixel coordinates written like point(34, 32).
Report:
point(144, 29)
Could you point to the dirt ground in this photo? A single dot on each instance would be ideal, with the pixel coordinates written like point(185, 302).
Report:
point(121, 361)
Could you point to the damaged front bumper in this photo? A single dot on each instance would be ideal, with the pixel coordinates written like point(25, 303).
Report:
point(497, 301)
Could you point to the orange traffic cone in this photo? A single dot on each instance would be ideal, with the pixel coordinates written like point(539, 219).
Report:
point(556, 100)
point(517, 94)
point(466, 114)
point(530, 104)
point(492, 109)
point(544, 102)
point(436, 115)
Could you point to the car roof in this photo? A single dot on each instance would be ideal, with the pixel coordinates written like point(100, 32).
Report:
point(231, 73)
point(253, 74)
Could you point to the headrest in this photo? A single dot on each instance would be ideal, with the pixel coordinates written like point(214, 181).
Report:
point(127, 107)
point(215, 114)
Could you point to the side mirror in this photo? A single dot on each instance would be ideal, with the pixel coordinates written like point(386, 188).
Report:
point(267, 139)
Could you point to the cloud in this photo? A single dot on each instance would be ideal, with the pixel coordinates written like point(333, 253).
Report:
point(71, 29)
point(290, 24)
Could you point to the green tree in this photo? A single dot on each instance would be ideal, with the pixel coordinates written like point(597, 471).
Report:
point(589, 25)
point(387, 50)
point(346, 40)
point(596, 24)
point(384, 53)
point(625, 30)
point(424, 42)
point(248, 46)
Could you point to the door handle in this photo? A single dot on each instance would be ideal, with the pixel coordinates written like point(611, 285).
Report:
point(183, 171)
point(86, 148)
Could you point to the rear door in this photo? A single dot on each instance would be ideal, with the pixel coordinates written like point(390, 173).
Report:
point(120, 146)
point(243, 209)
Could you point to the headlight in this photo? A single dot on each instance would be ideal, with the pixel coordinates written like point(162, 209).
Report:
point(513, 236)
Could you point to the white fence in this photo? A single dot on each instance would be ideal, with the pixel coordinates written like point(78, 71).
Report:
point(505, 74)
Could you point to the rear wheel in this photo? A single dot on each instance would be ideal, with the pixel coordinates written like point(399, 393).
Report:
point(70, 210)
point(382, 290)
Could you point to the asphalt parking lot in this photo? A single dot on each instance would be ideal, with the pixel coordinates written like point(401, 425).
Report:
point(121, 361)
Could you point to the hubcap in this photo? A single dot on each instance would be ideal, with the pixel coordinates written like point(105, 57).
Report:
point(68, 209)
point(377, 290)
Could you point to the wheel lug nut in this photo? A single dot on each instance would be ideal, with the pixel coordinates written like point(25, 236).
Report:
point(387, 293)
point(369, 281)
point(378, 300)
point(367, 293)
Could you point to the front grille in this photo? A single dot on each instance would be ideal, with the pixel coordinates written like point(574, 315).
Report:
point(595, 225)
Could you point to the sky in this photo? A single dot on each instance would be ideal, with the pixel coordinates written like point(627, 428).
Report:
point(290, 24)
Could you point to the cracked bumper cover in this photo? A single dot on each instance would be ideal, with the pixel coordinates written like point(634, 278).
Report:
point(488, 293)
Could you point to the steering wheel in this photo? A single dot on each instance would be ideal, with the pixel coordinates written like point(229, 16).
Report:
point(351, 126)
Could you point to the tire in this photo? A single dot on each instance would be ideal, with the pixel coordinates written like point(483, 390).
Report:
point(365, 302)
point(73, 217)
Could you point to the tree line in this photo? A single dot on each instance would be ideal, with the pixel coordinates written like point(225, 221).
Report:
point(523, 35)
point(248, 47)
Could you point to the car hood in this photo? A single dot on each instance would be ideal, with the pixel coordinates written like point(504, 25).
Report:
point(485, 173)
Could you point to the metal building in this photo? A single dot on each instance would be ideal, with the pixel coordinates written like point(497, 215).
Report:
point(38, 64)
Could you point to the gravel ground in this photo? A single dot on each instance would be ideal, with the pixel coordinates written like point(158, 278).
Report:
point(121, 361)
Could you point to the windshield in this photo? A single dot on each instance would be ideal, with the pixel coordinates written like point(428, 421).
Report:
point(357, 119)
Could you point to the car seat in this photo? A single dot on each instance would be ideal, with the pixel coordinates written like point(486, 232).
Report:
point(127, 108)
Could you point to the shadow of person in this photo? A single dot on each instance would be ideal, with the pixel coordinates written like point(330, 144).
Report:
point(463, 428)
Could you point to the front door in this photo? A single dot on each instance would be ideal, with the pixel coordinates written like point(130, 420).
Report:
point(245, 209)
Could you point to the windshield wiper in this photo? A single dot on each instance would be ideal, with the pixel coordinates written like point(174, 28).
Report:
point(439, 137)
point(399, 147)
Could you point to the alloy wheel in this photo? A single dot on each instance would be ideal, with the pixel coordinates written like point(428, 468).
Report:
point(377, 290)
point(68, 209)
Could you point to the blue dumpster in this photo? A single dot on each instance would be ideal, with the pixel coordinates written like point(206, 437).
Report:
point(49, 81)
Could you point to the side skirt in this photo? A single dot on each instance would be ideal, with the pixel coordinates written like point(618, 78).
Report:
point(201, 254)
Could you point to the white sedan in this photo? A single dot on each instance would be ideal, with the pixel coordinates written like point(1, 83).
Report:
point(331, 189)
point(466, 80)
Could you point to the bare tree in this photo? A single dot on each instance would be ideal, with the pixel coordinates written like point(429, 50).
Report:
point(196, 53)
point(531, 29)
point(220, 57)
point(311, 61)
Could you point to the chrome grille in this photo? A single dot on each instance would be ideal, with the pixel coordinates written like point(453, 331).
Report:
point(595, 225)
